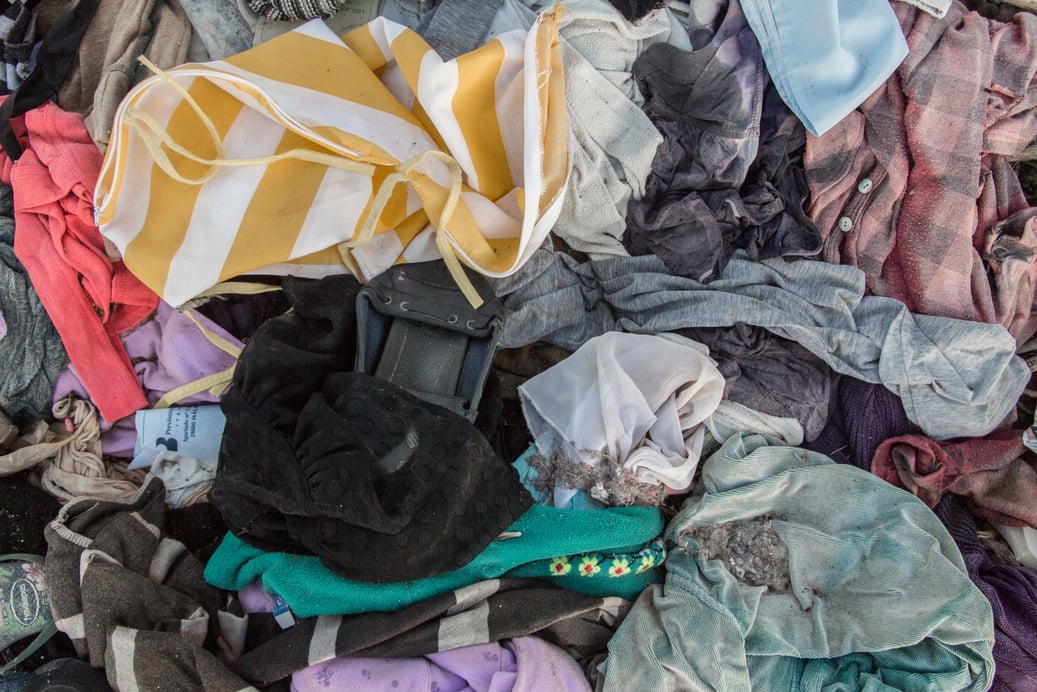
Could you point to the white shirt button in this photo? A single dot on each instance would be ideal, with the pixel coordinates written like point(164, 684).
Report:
point(864, 186)
point(845, 224)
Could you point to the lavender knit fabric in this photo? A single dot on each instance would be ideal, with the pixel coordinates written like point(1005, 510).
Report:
point(1012, 592)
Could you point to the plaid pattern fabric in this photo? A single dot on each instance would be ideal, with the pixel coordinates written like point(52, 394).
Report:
point(487, 611)
point(913, 187)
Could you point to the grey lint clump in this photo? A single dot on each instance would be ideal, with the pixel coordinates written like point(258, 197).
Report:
point(598, 474)
point(752, 551)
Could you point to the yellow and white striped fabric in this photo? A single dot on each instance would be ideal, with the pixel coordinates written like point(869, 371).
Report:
point(312, 153)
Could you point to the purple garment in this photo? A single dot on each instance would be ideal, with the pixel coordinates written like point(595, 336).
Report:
point(167, 351)
point(254, 599)
point(523, 663)
point(723, 178)
point(1012, 592)
point(864, 415)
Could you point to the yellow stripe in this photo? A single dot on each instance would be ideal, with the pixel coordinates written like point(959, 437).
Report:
point(475, 109)
point(368, 151)
point(408, 229)
point(429, 126)
point(238, 288)
point(327, 257)
point(504, 247)
point(409, 49)
point(395, 210)
point(311, 63)
point(279, 206)
point(111, 183)
point(554, 118)
point(462, 227)
point(171, 203)
point(361, 42)
point(372, 152)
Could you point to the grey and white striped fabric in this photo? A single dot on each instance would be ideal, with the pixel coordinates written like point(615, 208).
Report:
point(283, 10)
point(135, 601)
point(486, 611)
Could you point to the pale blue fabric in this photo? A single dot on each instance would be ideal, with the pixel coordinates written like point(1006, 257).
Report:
point(826, 56)
point(879, 597)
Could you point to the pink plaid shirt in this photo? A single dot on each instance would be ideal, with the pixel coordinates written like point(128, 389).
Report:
point(913, 187)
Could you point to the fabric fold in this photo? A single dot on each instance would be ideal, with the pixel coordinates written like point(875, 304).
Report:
point(995, 475)
point(639, 400)
point(320, 460)
point(90, 298)
point(826, 57)
point(955, 378)
point(132, 600)
point(914, 187)
point(784, 573)
point(312, 154)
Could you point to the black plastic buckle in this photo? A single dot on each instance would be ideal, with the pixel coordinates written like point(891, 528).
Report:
point(418, 331)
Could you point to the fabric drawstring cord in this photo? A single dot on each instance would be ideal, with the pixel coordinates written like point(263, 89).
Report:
point(156, 139)
point(215, 383)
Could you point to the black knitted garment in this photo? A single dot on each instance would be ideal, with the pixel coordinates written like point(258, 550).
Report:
point(317, 459)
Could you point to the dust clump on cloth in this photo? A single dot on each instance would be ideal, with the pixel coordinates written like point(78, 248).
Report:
point(752, 551)
point(599, 475)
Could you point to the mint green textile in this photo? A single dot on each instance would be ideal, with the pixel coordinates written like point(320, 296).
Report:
point(547, 533)
point(878, 595)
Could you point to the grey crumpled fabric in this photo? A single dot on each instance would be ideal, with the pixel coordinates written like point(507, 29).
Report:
point(30, 348)
point(219, 25)
point(456, 27)
point(728, 172)
point(769, 374)
point(955, 378)
point(860, 587)
point(19, 44)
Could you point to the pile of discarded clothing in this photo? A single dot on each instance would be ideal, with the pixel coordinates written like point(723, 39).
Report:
point(510, 345)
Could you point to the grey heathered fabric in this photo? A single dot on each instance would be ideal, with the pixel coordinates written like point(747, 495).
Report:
point(955, 378)
point(31, 352)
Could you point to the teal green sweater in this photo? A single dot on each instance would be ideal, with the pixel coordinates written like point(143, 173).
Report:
point(606, 552)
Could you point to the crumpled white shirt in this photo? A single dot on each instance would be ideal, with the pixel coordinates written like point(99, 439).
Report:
point(639, 398)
